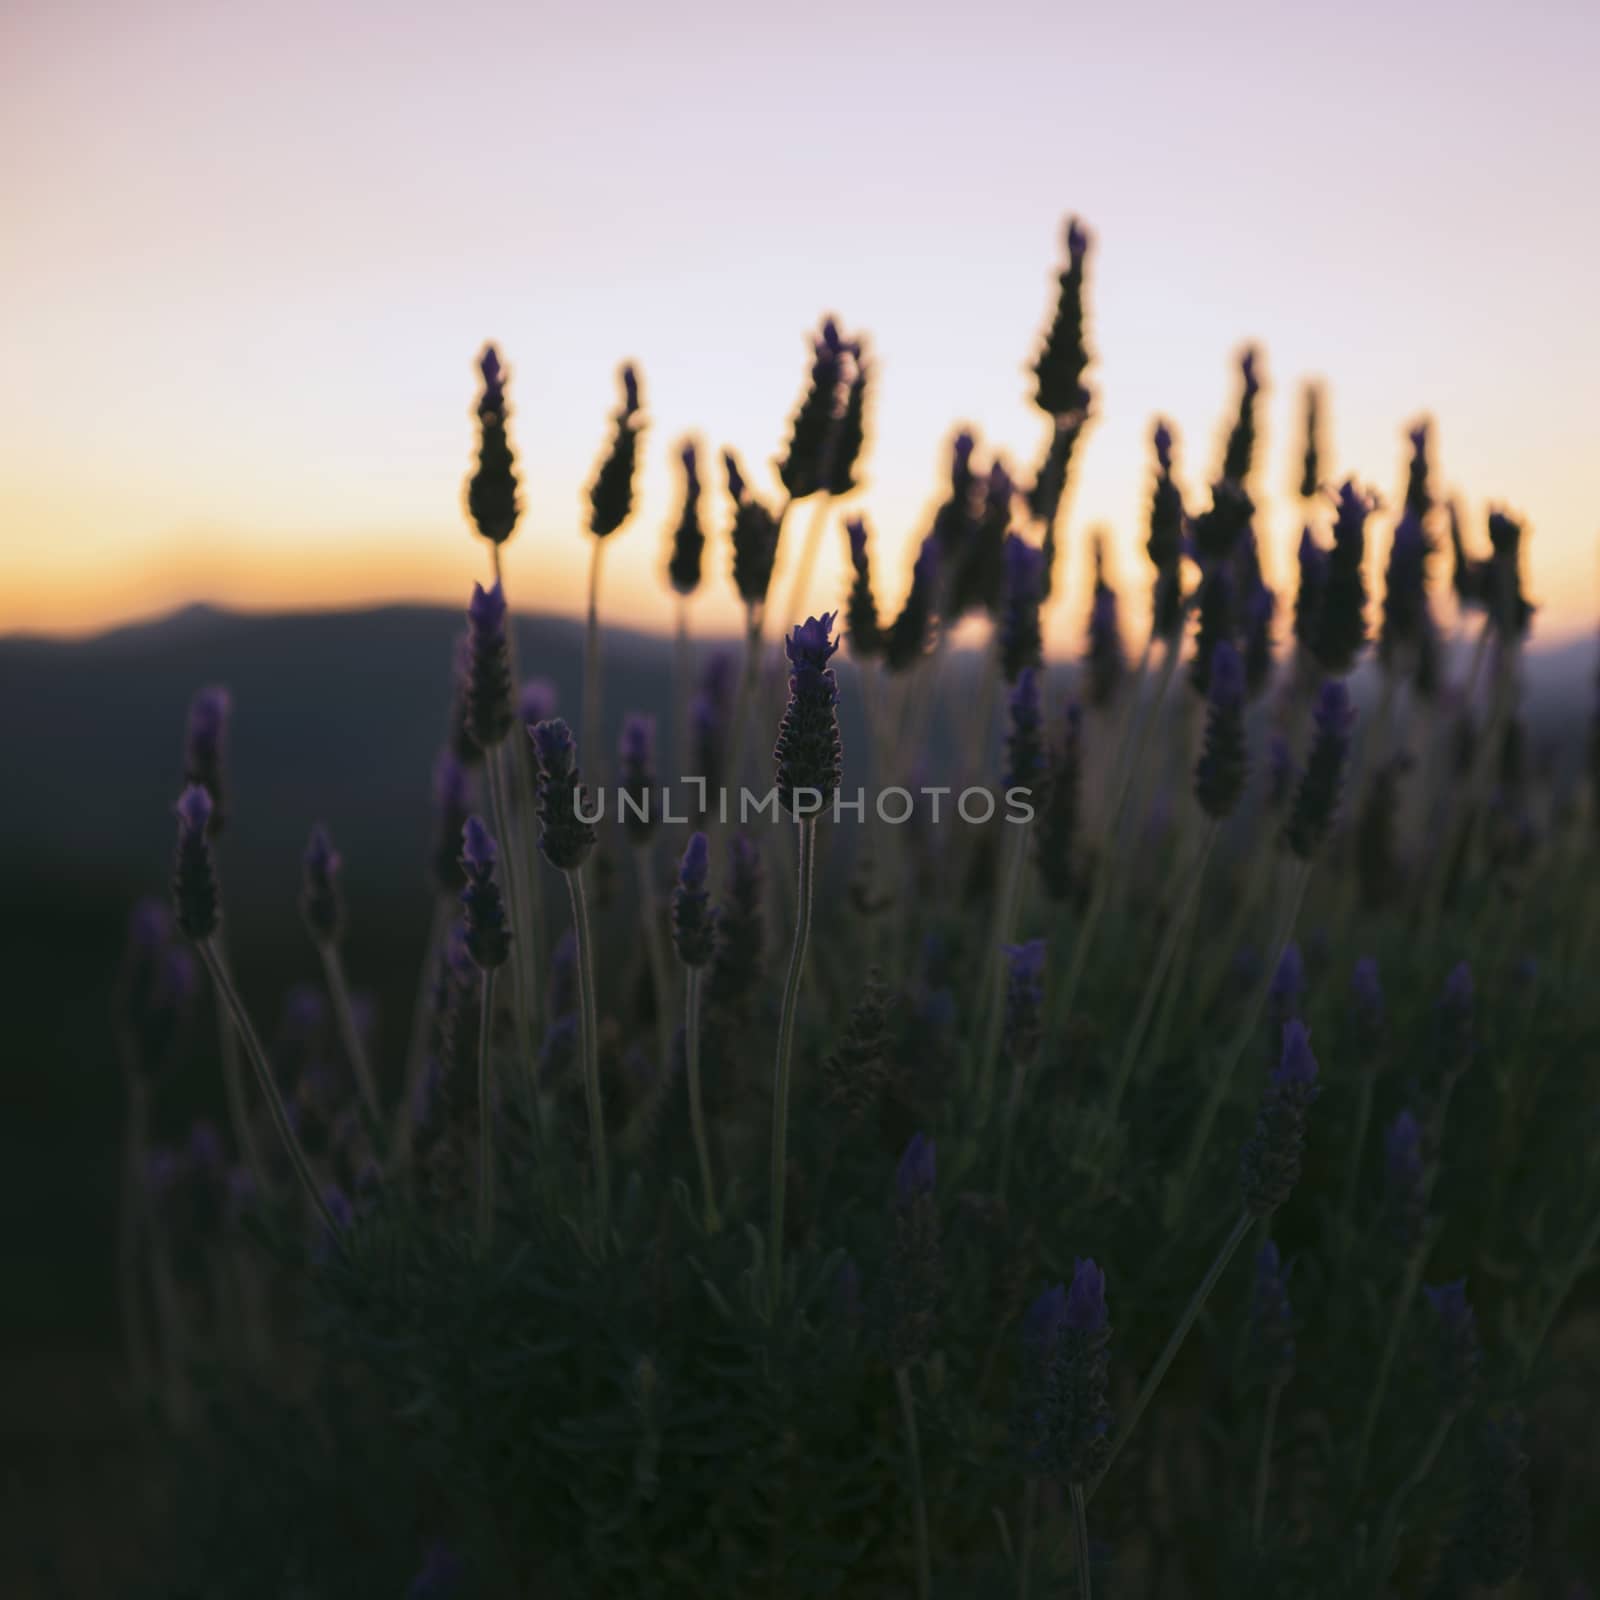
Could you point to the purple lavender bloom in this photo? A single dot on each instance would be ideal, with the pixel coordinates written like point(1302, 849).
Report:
point(1457, 1355)
point(808, 755)
point(1271, 1320)
point(1261, 606)
point(1103, 657)
point(1316, 802)
point(1065, 356)
point(693, 921)
point(1086, 1299)
point(861, 608)
point(488, 690)
point(1021, 645)
point(536, 701)
point(1313, 563)
point(1042, 1324)
point(1024, 998)
point(1269, 1164)
point(488, 938)
point(1220, 773)
point(205, 749)
point(637, 761)
point(194, 881)
point(1405, 596)
point(1288, 982)
point(564, 837)
point(1404, 1180)
point(611, 494)
point(917, 1169)
point(1340, 630)
point(492, 489)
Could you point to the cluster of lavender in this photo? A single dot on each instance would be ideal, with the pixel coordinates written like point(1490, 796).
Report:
point(688, 1248)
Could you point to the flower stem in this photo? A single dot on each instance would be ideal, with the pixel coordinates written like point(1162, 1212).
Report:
point(1269, 1423)
point(1175, 1343)
point(1005, 922)
point(1222, 1079)
point(656, 955)
point(1080, 1538)
point(919, 1503)
point(1177, 926)
point(344, 1018)
point(589, 1047)
point(401, 1132)
point(485, 1114)
point(212, 960)
point(1030, 1516)
point(697, 1115)
point(591, 666)
point(1397, 1323)
point(781, 1075)
point(1390, 1530)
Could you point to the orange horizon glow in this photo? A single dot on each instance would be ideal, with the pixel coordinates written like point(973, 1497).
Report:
point(246, 273)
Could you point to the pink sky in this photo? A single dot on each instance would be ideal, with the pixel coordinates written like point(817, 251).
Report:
point(249, 251)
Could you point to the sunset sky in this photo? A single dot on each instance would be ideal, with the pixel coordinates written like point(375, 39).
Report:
point(248, 253)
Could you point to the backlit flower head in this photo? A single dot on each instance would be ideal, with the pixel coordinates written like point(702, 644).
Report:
point(808, 754)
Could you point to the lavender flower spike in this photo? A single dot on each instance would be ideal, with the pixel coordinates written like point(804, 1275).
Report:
point(564, 836)
point(917, 1169)
point(1269, 1164)
point(1457, 1353)
point(808, 753)
point(1316, 802)
point(321, 903)
point(204, 752)
point(1404, 1180)
point(1024, 998)
point(488, 937)
point(1220, 773)
point(489, 694)
point(693, 920)
point(194, 879)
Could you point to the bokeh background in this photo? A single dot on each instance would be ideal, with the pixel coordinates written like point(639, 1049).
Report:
point(249, 253)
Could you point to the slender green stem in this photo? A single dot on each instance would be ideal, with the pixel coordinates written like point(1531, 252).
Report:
point(589, 1047)
point(1269, 1423)
point(401, 1129)
point(1222, 1078)
point(1002, 933)
point(485, 1113)
point(1352, 1176)
point(591, 669)
point(1176, 929)
point(344, 1018)
point(1391, 1346)
point(781, 1076)
point(919, 1502)
point(1390, 1527)
point(211, 958)
point(1030, 1517)
point(1175, 1343)
point(697, 1115)
point(1080, 1539)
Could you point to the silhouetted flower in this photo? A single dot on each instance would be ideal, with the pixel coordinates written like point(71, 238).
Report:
point(688, 537)
point(1217, 625)
point(808, 754)
point(1220, 773)
point(1509, 608)
point(1405, 596)
point(492, 489)
point(861, 612)
point(693, 921)
point(489, 698)
point(1064, 357)
point(1311, 453)
point(194, 879)
point(488, 939)
point(850, 430)
point(1269, 1165)
point(205, 751)
point(564, 836)
point(805, 467)
point(1271, 1320)
point(1340, 630)
point(1215, 533)
point(1165, 544)
point(909, 633)
point(1316, 802)
point(611, 494)
point(1242, 439)
point(1024, 750)
point(754, 537)
point(536, 701)
point(1103, 660)
point(321, 903)
point(1313, 566)
point(1020, 642)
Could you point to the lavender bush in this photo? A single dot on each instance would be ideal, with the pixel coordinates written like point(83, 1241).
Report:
point(651, 1265)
